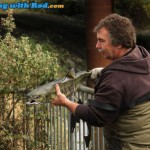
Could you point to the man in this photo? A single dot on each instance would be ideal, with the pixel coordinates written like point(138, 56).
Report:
point(122, 93)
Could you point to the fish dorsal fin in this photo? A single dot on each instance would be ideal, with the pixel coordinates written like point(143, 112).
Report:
point(71, 73)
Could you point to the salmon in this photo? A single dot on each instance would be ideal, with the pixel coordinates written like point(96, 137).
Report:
point(68, 85)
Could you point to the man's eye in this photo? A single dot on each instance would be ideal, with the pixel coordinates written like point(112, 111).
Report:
point(100, 40)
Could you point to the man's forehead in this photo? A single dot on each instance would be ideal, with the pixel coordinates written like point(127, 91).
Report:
point(103, 29)
point(102, 32)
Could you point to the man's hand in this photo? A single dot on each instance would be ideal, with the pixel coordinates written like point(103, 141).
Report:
point(60, 98)
point(95, 72)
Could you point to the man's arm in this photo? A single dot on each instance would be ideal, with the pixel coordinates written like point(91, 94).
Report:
point(62, 100)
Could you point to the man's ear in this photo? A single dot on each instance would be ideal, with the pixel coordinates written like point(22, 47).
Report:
point(119, 46)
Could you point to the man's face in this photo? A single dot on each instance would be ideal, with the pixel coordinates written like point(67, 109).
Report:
point(104, 44)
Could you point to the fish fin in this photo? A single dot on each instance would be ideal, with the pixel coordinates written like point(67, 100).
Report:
point(71, 73)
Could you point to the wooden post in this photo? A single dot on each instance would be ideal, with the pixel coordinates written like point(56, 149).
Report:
point(95, 10)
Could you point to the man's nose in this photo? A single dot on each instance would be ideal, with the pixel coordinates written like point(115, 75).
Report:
point(98, 45)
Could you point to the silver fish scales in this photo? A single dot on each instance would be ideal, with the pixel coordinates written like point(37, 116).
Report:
point(68, 85)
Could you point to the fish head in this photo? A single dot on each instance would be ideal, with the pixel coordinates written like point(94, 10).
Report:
point(34, 98)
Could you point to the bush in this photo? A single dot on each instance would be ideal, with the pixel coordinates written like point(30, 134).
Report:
point(22, 64)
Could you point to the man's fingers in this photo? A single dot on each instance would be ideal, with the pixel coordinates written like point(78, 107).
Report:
point(57, 89)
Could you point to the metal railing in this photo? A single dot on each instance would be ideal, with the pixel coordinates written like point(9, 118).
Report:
point(43, 127)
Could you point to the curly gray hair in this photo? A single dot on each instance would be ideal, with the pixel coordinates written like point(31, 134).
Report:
point(121, 30)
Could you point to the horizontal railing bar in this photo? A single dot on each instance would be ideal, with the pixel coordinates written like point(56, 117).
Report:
point(86, 89)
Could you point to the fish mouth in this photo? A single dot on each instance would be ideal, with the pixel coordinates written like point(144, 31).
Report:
point(32, 102)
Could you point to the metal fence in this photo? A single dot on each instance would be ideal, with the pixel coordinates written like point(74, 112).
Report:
point(43, 127)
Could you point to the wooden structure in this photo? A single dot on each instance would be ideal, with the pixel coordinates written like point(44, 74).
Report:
point(95, 10)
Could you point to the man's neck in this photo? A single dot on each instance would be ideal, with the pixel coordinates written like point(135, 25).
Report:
point(121, 52)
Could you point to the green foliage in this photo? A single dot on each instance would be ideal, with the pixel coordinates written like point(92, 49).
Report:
point(22, 65)
point(8, 24)
point(11, 126)
point(137, 10)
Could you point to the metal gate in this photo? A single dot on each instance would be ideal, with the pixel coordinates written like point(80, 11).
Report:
point(43, 127)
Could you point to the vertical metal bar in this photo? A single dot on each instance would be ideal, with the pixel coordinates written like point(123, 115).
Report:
point(93, 141)
point(54, 128)
point(77, 129)
point(44, 145)
point(51, 129)
point(13, 117)
point(69, 135)
point(23, 130)
point(75, 138)
point(86, 129)
point(80, 96)
point(57, 132)
point(27, 128)
point(48, 127)
point(71, 145)
point(93, 130)
point(61, 125)
point(98, 139)
point(84, 124)
point(65, 130)
point(103, 140)
point(35, 126)
point(44, 127)
point(24, 123)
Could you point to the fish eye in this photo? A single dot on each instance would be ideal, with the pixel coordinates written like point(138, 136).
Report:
point(32, 101)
